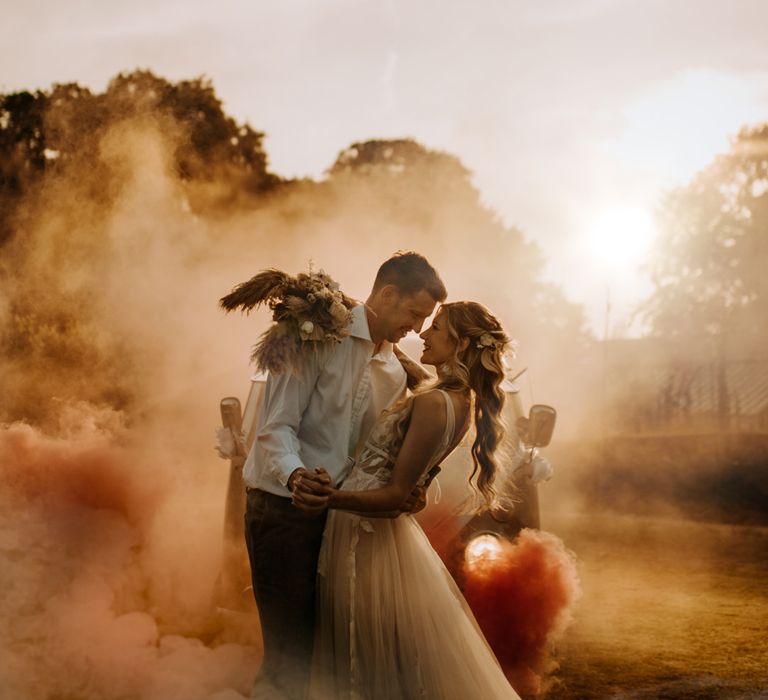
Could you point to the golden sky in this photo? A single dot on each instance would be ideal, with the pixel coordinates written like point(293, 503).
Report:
point(570, 113)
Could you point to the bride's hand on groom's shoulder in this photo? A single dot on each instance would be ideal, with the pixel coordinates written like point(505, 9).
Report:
point(310, 490)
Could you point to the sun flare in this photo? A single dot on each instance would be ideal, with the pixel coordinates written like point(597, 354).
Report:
point(620, 236)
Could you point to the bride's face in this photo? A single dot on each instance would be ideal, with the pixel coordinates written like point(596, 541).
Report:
point(439, 347)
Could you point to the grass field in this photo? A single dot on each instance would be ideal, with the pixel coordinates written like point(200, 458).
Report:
point(670, 609)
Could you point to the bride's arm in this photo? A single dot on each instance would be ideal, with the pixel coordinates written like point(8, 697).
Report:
point(421, 441)
point(416, 501)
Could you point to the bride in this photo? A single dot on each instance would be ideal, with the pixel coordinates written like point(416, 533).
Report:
point(391, 622)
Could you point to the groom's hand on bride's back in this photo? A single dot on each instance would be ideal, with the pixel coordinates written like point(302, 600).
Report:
point(310, 490)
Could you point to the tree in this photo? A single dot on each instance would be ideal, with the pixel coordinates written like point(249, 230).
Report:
point(709, 266)
point(59, 185)
point(51, 131)
point(211, 145)
point(22, 150)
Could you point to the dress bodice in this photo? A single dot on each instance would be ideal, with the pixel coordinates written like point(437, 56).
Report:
point(376, 459)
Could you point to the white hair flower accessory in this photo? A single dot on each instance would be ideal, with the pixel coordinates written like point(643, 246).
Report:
point(485, 341)
point(307, 327)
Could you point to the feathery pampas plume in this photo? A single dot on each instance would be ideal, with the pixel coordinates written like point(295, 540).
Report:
point(306, 309)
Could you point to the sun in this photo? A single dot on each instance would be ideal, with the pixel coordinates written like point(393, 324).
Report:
point(620, 237)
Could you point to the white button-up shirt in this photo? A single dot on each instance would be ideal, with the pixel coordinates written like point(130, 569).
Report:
point(317, 416)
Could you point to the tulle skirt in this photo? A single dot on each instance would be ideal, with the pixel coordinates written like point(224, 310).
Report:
point(392, 623)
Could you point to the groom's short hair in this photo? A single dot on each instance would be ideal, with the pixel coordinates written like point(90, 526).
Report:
point(410, 273)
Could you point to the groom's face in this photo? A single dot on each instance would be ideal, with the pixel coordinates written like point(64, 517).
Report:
point(403, 313)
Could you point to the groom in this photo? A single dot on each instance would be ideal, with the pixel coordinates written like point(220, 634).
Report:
point(317, 416)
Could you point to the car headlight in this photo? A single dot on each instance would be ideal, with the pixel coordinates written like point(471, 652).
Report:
point(484, 546)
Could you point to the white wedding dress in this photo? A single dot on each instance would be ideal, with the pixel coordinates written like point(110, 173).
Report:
point(392, 624)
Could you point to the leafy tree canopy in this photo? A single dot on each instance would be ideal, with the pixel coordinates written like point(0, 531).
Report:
point(709, 266)
point(49, 131)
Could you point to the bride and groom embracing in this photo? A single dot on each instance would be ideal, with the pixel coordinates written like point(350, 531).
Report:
point(353, 600)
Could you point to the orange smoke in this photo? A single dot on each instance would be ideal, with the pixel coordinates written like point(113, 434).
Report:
point(102, 598)
point(522, 599)
point(55, 473)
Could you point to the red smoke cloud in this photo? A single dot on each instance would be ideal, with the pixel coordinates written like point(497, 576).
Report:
point(86, 565)
point(57, 473)
point(522, 598)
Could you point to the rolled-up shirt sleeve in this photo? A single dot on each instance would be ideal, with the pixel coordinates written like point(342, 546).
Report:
point(286, 398)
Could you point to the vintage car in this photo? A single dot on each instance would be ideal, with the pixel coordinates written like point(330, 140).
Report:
point(458, 533)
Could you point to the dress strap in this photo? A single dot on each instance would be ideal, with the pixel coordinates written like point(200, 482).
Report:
point(450, 414)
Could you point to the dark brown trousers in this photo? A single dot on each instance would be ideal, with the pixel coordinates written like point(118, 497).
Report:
point(283, 547)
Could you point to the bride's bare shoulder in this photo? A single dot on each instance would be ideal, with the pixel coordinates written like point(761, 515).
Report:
point(428, 417)
point(430, 403)
point(429, 398)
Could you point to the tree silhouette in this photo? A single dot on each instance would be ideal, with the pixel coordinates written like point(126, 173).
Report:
point(58, 129)
point(22, 150)
point(709, 266)
point(58, 187)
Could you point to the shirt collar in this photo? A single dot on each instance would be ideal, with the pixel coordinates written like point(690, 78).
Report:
point(359, 326)
point(359, 329)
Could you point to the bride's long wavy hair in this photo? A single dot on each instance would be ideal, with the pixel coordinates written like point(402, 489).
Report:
point(477, 367)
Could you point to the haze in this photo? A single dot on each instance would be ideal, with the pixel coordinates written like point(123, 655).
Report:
point(566, 111)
